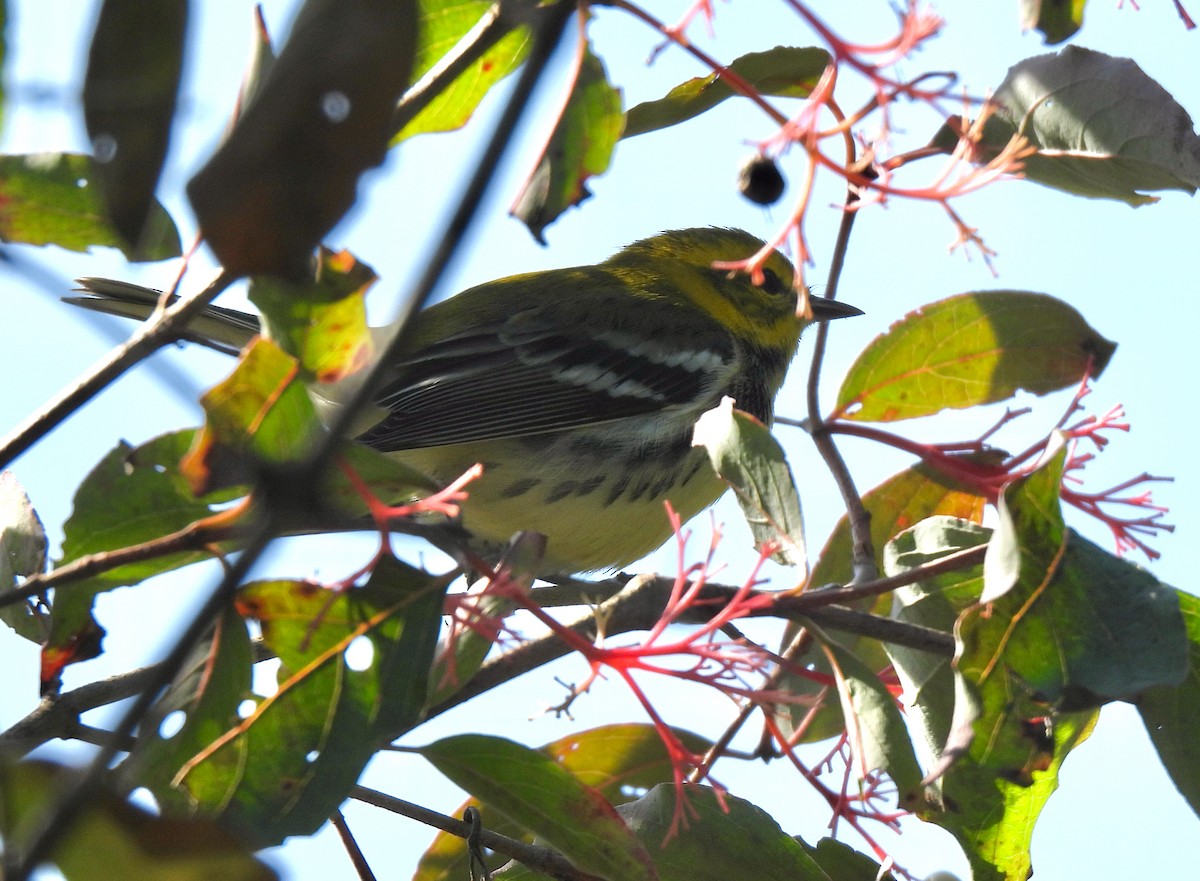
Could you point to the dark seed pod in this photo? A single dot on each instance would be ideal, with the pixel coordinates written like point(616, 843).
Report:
point(760, 181)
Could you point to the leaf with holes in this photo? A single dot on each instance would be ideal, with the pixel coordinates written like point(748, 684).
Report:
point(283, 769)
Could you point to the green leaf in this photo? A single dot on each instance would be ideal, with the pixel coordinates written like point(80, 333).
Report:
point(842, 862)
point(132, 496)
point(200, 706)
point(321, 322)
point(129, 94)
point(784, 71)
point(53, 199)
point(896, 504)
point(580, 147)
point(746, 455)
point(1103, 128)
point(618, 761)
point(726, 838)
point(284, 768)
point(289, 169)
point(877, 734)
point(22, 553)
point(1080, 626)
point(928, 679)
point(971, 349)
point(114, 839)
point(993, 819)
point(260, 413)
point(531, 789)
point(443, 24)
point(1058, 20)
point(1171, 713)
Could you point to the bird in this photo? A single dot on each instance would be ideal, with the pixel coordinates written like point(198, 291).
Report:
point(577, 389)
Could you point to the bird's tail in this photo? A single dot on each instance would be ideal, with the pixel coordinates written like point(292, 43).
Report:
point(226, 330)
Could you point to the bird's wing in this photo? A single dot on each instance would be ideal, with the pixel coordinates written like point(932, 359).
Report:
point(551, 367)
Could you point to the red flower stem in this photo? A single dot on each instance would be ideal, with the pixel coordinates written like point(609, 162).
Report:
point(987, 479)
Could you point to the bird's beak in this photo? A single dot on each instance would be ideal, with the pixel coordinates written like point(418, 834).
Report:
point(824, 309)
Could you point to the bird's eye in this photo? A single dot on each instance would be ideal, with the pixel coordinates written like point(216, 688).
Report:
point(773, 284)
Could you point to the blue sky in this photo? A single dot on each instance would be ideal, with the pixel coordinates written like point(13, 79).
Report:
point(1130, 271)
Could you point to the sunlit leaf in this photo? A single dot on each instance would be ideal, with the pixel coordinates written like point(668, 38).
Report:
point(784, 71)
point(1080, 626)
point(971, 349)
point(994, 819)
point(322, 321)
point(991, 810)
point(283, 768)
point(259, 413)
point(580, 147)
point(52, 199)
point(443, 24)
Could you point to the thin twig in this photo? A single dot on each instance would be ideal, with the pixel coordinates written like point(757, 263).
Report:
point(56, 822)
point(836, 594)
point(492, 27)
point(640, 605)
point(859, 518)
point(149, 337)
point(547, 32)
point(540, 859)
point(195, 536)
point(57, 716)
point(361, 866)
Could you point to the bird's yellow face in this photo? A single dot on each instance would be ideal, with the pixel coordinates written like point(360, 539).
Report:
point(764, 312)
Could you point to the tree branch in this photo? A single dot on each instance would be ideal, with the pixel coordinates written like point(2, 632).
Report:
point(540, 859)
point(149, 337)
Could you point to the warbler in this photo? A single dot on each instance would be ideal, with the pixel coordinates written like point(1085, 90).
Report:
point(578, 389)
